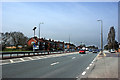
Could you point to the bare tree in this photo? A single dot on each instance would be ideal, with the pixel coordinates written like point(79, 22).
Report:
point(13, 38)
point(111, 39)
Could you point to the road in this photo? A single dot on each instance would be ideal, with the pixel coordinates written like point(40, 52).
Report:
point(68, 66)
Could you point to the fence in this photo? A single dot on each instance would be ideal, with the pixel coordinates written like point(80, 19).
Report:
point(8, 55)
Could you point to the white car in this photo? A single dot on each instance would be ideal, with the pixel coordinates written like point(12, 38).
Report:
point(112, 51)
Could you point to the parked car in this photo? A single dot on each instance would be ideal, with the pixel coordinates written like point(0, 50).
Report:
point(90, 50)
point(82, 52)
point(112, 50)
point(95, 51)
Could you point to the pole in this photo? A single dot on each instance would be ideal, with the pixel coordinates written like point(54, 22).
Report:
point(34, 30)
point(39, 31)
point(69, 39)
point(34, 33)
point(101, 37)
point(69, 43)
point(39, 28)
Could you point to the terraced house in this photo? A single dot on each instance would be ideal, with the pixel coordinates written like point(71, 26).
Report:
point(49, 45)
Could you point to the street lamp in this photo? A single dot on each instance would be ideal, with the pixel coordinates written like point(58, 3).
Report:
point(101, 36)
point(34, 30)
point(39, 28)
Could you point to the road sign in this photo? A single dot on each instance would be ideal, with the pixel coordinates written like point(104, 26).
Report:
point(35, 46)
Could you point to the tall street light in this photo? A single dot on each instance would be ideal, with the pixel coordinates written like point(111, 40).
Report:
point(101, 36)
point(39, 28)
point(34, 30)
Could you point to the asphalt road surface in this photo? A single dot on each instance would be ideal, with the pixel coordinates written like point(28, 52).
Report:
point(68, 66)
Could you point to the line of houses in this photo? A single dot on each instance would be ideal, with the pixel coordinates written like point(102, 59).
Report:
point(119, 48)
point(50, 45)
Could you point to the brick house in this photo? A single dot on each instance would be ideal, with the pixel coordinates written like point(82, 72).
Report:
point(119, 48)
point(49, 45)
point(59, 45)
point(32, 40)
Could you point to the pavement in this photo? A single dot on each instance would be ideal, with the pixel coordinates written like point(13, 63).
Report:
point(65, 66)
point(104, 68)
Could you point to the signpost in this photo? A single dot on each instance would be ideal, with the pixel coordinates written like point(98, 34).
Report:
point(35, 47)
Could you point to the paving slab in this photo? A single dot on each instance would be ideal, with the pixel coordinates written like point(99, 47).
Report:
point(105, 67)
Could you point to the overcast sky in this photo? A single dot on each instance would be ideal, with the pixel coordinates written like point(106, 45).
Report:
point(61, 19)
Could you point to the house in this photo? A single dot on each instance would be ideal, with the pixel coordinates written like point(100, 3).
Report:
point(119, 48)
point(49, 45)
point(59, 45)
point(69, 47)
point(32, 40)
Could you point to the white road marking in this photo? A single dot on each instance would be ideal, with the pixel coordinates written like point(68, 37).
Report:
point(90, 64)
point(30, 58)
point(11, 61)
point(84, 73)
point(38, 57)
point(87, 67)
point(76, 77)
point(54, 63)
point(81, 55)
point(73, 57)
point(22, 59)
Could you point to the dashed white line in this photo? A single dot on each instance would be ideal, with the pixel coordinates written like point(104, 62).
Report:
point(38, 57)
point(87, 67)
point(22, 59)
point(54, 63)
point(90, 64)
point(84, 73)
point(11, 61)
point(76, 77)
point(73, 57)
point(30, 58)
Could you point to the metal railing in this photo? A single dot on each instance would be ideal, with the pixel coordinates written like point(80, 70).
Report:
point(9, 55)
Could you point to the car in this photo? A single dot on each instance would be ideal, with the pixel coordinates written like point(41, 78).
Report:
point(90, 50)
point(112, 50)
point(94, 51)
point(82, 52)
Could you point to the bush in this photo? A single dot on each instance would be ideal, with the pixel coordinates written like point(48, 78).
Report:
point(29, 48)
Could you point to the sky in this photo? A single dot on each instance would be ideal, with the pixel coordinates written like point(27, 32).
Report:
point(61, 20)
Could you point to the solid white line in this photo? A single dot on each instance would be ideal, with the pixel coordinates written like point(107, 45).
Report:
point(22, 59)
point(73, 57)
point(11, 61)
point(87, 67)
point(30, 58)
point(84, 73)
point(54, 63)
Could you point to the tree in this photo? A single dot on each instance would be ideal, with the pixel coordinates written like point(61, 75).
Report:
point(13, 39)
point(106, 47)
point(112, 43)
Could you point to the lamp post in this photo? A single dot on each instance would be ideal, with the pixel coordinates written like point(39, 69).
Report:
point(34, 36)
point(69, 43)
point(39, 28)
point(101, 36)
point(34, 30)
